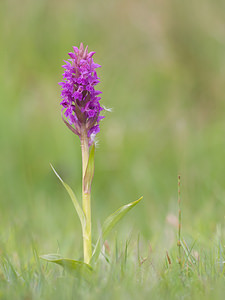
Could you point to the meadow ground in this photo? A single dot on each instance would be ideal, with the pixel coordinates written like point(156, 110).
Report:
point(163, 75)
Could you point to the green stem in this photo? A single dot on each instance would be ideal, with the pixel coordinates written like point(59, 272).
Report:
point(86, 199)
point(179, 225)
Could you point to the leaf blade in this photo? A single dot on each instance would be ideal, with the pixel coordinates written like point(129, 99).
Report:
point(89, 173)
point(70, 265)
point(73, 198)
point(108, 225)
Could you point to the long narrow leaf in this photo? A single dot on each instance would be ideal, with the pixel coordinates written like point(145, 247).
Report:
point(108, 225)
point(73, 198)
point(89, 174)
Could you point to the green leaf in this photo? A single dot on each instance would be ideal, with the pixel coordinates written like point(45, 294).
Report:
point(70, 265)
point(89, 174)
point(108, 225)
point(74, 200)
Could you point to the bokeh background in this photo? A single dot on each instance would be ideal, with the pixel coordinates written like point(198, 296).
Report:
point(163, 75)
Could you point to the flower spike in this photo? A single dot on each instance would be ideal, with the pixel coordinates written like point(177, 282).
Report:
point(80, 100)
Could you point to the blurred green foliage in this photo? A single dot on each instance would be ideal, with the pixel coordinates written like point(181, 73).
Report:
point(163, 74)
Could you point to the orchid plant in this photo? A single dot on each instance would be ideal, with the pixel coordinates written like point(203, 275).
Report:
point(81, 112)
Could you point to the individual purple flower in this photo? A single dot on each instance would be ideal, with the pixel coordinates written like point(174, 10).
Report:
point(80, 99)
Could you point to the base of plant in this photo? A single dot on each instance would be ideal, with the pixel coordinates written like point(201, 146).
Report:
point(74, 266)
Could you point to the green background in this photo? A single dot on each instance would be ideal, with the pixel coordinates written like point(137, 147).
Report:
point(163, 75)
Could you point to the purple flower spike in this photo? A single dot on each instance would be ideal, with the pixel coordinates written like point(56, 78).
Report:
point(80, 100)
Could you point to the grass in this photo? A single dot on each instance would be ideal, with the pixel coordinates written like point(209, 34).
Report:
point(163, 75)
point(129, 266)
point(132, 269)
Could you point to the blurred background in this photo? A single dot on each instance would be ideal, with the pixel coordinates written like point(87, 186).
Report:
point(163, 75)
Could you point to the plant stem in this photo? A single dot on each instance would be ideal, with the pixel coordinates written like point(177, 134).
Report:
point(86, 198)
point(179, 225)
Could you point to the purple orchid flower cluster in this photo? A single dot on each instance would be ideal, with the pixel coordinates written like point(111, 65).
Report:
point(80, 100)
